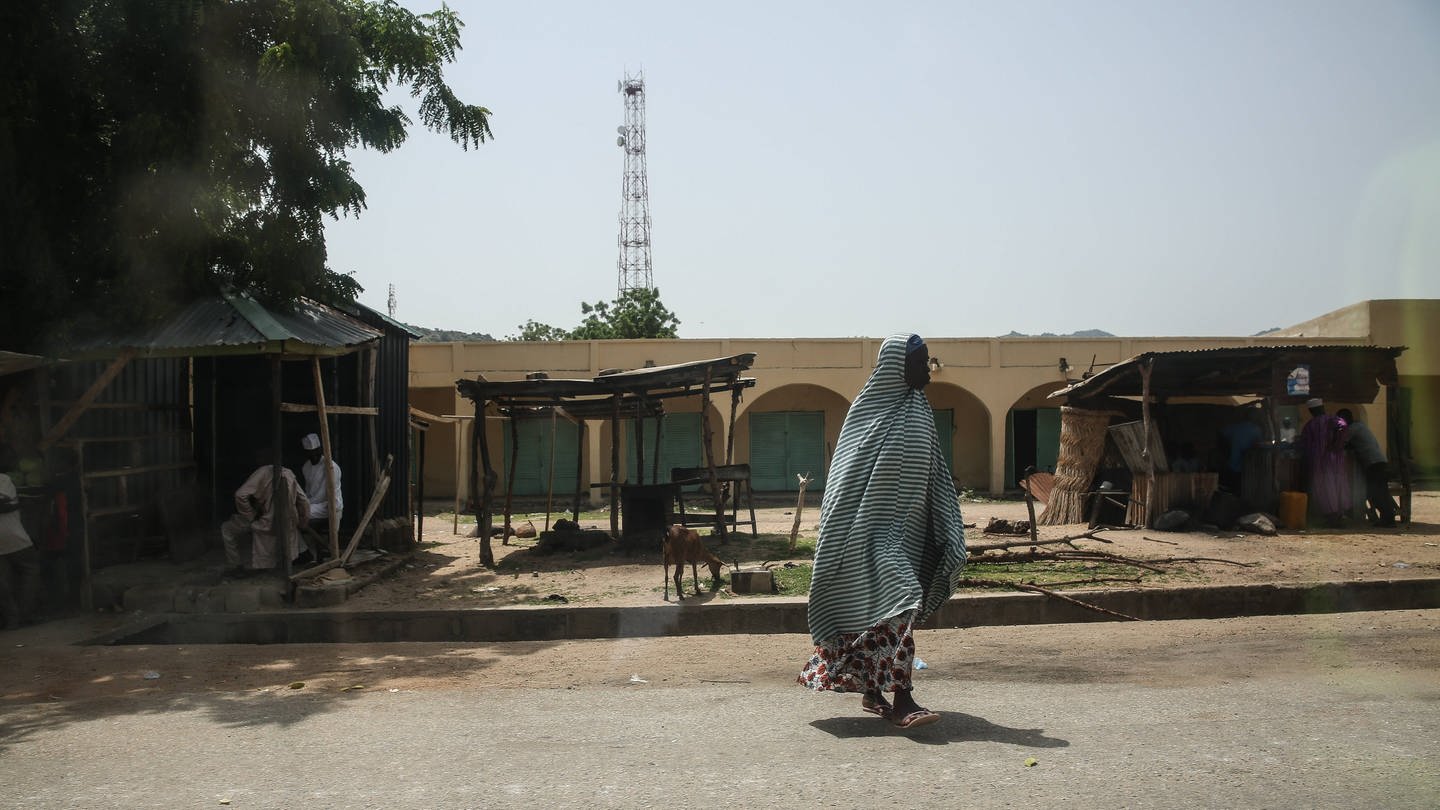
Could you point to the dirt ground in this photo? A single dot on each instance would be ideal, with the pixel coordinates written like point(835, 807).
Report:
point(44, 665)
point(446, 572)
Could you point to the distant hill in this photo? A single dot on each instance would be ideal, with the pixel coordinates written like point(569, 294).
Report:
point(448, 335)
point(1083, 333)
point(1266, 331)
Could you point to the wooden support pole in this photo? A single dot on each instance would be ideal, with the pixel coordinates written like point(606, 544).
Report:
point(615, 470)
point(804, 481)
point(372, 372)
point(550, 470)
point(1399, 435)
point(420, 488)
point(706, 437)
point(281, 503)
point(486, 514)
point(579, 471)
point(1151, 501)
point(510, 479)
point(333, 520)
point(659, 443)
point(730, 431)
point(640, 441)
point(333, 410)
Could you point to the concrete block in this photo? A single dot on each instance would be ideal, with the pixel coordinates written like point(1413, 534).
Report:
point(241, 598)
point(320, 595)
point(151, 598)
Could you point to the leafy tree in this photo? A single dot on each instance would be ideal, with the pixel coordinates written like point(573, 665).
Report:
point(635, 313)
point(535, 331)
point(153, 149)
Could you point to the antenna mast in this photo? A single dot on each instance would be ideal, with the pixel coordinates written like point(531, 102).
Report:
point(634, 237)
point(390, 304)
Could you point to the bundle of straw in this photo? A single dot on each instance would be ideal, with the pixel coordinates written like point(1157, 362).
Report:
point(1082, 445)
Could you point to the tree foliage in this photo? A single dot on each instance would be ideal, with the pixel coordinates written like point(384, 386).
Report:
point(635, 313)
point(153, 149)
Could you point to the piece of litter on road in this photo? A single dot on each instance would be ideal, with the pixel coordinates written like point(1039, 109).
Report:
point(352, 687)
point(224, 801)
point(1031, 762)
point(919, 664)
point(298, 685)
point(1400, 565)
point(394, 690)
point(637, 679)
point(152, 675)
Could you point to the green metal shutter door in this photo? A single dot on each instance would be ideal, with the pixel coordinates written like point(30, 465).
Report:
point(945, 432)
point(767, 451)
point(1047, 438)
point(682, 446)
point(532, 468)
point(805, 449)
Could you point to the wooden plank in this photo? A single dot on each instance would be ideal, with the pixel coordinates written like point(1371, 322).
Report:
point(83, 403)
point(338, 410)
point(430, 417)
point(333, 523)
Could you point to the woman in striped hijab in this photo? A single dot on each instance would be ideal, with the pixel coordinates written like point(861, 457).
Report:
point(891, 539)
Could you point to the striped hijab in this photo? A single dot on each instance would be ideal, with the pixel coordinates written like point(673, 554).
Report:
point(891, 538)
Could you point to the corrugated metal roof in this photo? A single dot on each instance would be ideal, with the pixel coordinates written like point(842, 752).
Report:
point(15, 362)
point(1348, 372)
point(237, 323)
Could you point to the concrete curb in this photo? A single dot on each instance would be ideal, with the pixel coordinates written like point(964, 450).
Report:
point(544, 623)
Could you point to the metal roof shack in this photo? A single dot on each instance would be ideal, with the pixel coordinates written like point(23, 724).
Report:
point(1277, 376)
point(175, 412)
point(236, 324)
point(613, 395)
point(1344, 373)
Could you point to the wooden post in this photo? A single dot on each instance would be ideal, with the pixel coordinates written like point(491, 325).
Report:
point(280, 502)
point(510, 479)
point(707, 434)
point(730, 431)
point(615, 469)
point(1151, 501)
point(459, 445)
point(333, 521)
point(1030, 509)
point(1400, 449)
point(579, 472)
point(550, 472)
point(420, 488)
point(799, 508)
point(659, 443)
point(371, 423)
point(640, 442)
point(486, 514)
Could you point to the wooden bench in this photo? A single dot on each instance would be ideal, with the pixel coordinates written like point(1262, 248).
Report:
point(732, 479)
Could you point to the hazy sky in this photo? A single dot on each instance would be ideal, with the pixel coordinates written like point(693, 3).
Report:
point(950, 168)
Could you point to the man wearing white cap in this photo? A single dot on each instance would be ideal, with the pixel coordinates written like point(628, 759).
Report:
point(314, 473)
point(1322, 444)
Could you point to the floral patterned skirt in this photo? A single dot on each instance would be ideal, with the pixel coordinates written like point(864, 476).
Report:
point(877, 660)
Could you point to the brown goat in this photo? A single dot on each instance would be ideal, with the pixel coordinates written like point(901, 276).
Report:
point(682, 545)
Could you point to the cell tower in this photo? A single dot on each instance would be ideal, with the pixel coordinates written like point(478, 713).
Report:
point(390, 304)
point(634, 190)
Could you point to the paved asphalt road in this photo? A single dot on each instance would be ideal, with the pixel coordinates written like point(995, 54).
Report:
point(1319, 719)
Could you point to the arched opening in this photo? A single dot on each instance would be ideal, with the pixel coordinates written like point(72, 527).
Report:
point(962, 424)
point(787, 432)
point(1032, 431)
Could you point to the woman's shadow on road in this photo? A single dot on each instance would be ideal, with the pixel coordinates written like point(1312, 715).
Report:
point(953, 727)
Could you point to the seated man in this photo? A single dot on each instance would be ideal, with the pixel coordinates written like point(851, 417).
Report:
point(316, 492)
point(254, 513)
